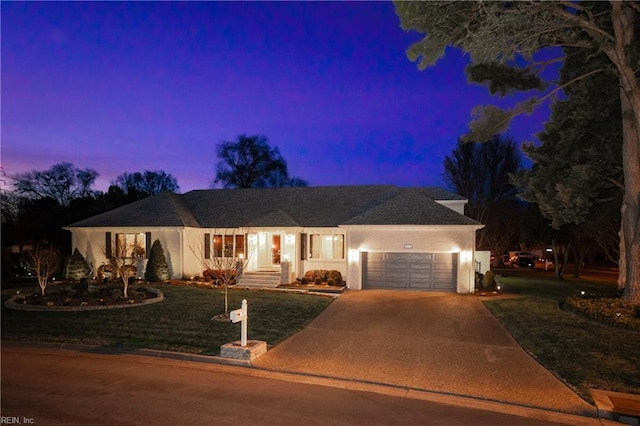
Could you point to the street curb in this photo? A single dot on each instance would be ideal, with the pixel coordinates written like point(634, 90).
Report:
point(114, 350)
point(351, 385)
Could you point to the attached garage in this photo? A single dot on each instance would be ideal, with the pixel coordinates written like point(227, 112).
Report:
point(409, 271)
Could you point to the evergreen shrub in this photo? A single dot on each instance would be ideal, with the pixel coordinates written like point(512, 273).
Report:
point(157, 266)
point(77, 267)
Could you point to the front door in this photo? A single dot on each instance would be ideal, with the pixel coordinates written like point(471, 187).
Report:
point(276, 249)
point(269, 250)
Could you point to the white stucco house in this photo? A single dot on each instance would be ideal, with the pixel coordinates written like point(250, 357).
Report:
point(378, 237)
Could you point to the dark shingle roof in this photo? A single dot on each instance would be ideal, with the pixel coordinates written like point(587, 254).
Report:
point(166, 209)
point(327, 206)
point(410, 207)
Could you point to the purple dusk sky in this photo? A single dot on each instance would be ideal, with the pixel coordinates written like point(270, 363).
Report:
point(134, 86)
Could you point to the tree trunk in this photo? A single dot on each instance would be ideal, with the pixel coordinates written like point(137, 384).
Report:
point(565, 259)
point(622, 265)
point(578, 255)
point(630, 228)
point(623, 19)
point(556, 265)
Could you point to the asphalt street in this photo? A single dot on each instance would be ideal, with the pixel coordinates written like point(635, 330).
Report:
point(47, 386)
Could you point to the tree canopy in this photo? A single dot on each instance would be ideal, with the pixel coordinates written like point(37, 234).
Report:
point(250, 162)
point(574, 181)
point(62, 182)
point(572, 172)
point(146, 183)
point(508, 36)
point(480, 172)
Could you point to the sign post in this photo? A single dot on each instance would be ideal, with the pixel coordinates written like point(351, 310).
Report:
point(240, 315)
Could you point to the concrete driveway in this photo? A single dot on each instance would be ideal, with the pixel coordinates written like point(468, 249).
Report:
point(439, 342)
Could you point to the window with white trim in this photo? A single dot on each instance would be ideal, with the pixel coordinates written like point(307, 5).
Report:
point(131, 245)
point(228, 245)
point(326, 246)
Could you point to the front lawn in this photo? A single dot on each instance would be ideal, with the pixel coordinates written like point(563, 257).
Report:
point(584, 353)
point(182, 322)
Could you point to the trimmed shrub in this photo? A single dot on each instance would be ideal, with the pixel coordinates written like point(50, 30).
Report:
point(489, 281)
point(324, 275)
point(478, 282)
point(157, 266)
point(612, 311)
point(318, 281)
point(77, 267)
point(107, 273)
point(331, 281)
point(218, 276)
point(334, 275)
point(304, 280)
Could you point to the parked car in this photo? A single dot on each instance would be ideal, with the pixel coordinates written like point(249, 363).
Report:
point(526, 262)
point(523, 259)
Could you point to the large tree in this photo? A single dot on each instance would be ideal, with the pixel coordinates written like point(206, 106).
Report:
point(480, 172)
point(502, 39)
point(250, 162)
point(575, 182)
point(146, 183)
point(63, 182)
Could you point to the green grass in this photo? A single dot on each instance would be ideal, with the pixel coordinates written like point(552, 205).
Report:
point(584, 353)
point(182, 322)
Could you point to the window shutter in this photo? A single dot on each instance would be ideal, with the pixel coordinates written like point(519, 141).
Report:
point(303, 246)
point(207, 246)
point(147, 249)
point(107, 244)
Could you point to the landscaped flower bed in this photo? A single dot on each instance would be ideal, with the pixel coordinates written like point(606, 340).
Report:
point(98, 297)
point(611, 311)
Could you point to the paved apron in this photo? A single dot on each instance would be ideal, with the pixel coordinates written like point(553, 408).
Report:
point(440, 342)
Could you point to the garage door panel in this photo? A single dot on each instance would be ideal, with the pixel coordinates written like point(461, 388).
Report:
point(419, 267)
point(423, 274)
point(415, 271)
point(399, 276)
point(395, 284)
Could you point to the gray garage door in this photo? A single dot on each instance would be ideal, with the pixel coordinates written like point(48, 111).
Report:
point(409, 271)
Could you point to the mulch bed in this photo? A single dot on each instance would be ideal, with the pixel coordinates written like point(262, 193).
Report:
point(101, 296)
point(321, 288)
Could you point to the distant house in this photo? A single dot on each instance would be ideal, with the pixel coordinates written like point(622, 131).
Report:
point(378, 237)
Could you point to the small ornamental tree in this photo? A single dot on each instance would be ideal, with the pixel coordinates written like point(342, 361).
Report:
point(225, 266)
point(43, 261)
point(124, 259)
point(77, 267)
point(157, 266)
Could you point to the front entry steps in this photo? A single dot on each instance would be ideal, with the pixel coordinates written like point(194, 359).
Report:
point(259, 279)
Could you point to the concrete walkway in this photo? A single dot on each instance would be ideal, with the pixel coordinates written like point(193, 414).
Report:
point(439, 342)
